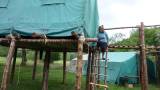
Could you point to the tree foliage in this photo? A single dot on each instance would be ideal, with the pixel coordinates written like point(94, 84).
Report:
point(116, 37)
point(152, 37)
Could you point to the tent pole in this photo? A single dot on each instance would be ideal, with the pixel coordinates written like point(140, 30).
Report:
point(6, 73)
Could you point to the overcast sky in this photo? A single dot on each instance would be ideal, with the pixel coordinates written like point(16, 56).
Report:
point(116, 13)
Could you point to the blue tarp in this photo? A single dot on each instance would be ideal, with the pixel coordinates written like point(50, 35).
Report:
point(50, 17)
point(120, 64)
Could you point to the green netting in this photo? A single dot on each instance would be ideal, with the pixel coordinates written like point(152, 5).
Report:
point(50, 17)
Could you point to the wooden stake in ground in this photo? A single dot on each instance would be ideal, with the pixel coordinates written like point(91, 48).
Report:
point(46, 70)
point(79, 63)
point(35, 65)
point(144, 73)
point(64, 66)
point(13, 65)
point(5, 79)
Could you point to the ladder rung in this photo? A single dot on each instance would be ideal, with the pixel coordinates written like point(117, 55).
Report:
point(99, 66)
point(101, 85)
point(99, 74)
point(100, 59)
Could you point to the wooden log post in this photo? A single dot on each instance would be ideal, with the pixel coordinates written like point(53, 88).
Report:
point(99, 68)
point(35, 65)
point(46, 70)
point(6, 73)
point(88, 77)
point(92, 87)
point(158, 66)
point(64, 66)
point(24, 57)
point(158, 71)
point(144, 73)
point(105, 69)
point(79, 63)
point(13, 65)
point(40, 54)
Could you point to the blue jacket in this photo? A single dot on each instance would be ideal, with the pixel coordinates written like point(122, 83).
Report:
point(102, 37)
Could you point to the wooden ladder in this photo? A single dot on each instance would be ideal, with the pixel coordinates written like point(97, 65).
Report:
point(93, 70)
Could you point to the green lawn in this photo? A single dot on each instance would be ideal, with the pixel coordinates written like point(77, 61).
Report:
point(23, 81)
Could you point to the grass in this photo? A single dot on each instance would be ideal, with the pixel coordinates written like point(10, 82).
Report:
point(23, 78)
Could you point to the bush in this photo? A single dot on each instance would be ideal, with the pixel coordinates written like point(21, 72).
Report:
point(55, 56)
point(3, 51)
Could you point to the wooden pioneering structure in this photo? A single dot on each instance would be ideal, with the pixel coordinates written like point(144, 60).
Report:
point(48, 45)
point(79, 45)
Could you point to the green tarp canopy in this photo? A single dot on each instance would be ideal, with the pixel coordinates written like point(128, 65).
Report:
point(51, 17)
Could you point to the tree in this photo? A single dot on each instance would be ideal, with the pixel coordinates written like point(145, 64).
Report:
point(152, 37)
point(116, 37)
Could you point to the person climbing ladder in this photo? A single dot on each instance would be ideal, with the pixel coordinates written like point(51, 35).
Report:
point(102, 40)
